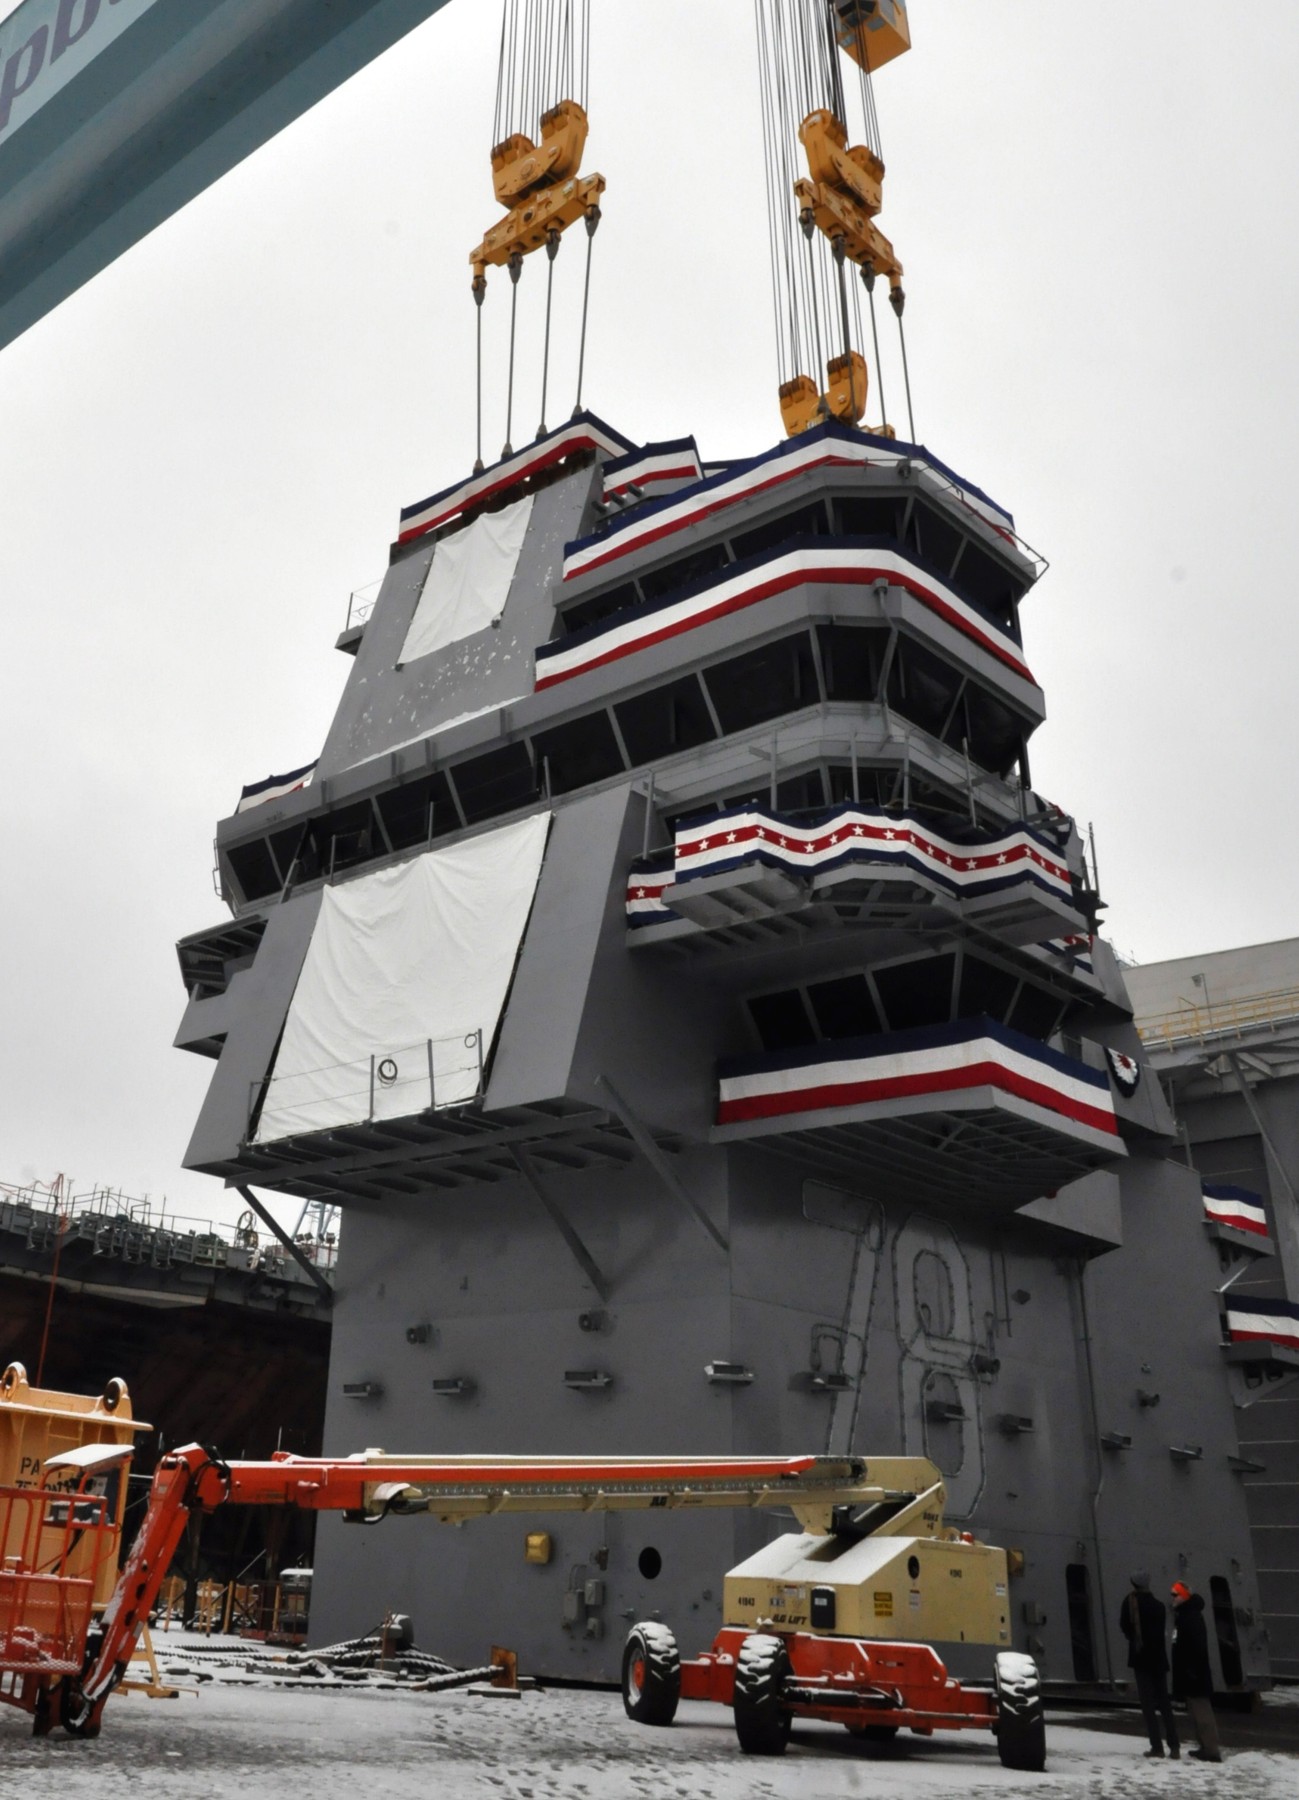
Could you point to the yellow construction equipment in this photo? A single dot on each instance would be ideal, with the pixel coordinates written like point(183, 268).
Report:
point(541, 185)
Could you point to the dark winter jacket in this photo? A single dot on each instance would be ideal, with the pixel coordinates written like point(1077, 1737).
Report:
point(1192, 1675)
point(1142, 1624)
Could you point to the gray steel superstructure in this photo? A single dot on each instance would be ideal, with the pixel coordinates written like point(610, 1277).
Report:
point(815, 1117)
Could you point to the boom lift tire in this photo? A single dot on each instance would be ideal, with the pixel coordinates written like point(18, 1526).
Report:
point(1021, 1717)
point(651, 1674)
point(762, 1721)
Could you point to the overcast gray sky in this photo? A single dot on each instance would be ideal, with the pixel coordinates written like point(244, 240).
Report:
point(206, 449)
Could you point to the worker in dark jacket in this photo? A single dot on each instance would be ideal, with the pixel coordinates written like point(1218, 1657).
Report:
point(1142, 1622)
point(1192, 1675)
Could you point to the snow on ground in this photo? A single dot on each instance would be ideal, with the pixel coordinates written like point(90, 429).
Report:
point(243, 1743)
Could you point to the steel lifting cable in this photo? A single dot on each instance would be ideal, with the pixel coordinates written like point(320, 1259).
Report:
point(516, 269)
point(552, 251)
point(592, 223)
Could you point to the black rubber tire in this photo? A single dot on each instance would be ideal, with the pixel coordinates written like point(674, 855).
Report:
point(762, 1721)
point(873, 1734)
point(1021, 1716)
point(651, 1674)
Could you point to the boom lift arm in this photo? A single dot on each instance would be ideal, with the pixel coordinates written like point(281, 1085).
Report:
point(369, 1486)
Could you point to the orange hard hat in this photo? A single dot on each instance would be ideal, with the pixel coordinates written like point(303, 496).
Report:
point(1180, 1589)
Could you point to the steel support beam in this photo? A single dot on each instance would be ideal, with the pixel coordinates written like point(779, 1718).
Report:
point(660, 1164)
point(295, 1250)
point(559, 1219)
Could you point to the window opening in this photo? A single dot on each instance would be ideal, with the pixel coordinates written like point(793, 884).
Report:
point(1224, 1621)
point(1081, 1641)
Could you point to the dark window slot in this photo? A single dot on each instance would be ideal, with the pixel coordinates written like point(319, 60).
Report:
point(981, 579)
point(853, 660)
point(601, 606)
point(1081, 1641)
point(985, 989)
point(763, 684)
point(405, 811)
point(1224, 1623)
point(782, 1021)
point(867, 516)
point(844, 1008)
point(254, 870)
point(1036, 1013)
point(995, 731)
point(808, 521)
point(495, 783)
point(668, 718)
point(917, 993)
point(941, 540)
point(582, 751)
point(922, 686)
point(682, 573)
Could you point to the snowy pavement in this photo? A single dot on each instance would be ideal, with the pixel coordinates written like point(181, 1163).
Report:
point(242, 1743)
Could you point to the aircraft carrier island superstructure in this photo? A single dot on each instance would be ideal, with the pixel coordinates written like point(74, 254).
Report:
point(699, 1017)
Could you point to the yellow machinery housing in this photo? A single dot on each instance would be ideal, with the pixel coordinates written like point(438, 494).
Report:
point(891, 1571)
point(38, 1423)
point(541, 186)
point(872, 32)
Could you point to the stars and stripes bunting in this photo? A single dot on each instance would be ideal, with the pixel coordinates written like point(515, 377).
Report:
point(938, 1061)
point(275, 787)
point(1251, 1321)
point(718, 841)
point(1235, 1207)
point(655, 466)
point(828, 446)
point(807, 565)
point(583, 433)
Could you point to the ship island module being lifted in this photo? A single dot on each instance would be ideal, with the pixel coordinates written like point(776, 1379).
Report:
point(670, 969)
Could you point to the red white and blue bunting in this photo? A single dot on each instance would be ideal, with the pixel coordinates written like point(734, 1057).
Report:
point(1251, 1321)
point(657, 467)
point(275, 787)
point(1125, 1071)
point(1076, 950)
point(1235, 1207)
point(809, 565)
point(719, 841)
point(939, 1061)
point(828, 446)
point(586, 432)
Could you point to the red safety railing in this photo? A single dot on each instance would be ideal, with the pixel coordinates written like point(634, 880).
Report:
point(52, 1546)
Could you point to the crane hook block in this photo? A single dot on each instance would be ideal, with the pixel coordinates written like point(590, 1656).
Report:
point(541, 186)
point(802, 407)
point(845, 193)
point(872, 32)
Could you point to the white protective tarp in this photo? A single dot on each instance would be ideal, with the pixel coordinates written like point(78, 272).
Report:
point(405, 969)
point(468, 581)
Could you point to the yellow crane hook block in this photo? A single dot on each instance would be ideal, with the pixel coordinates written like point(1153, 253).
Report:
point(872, 32)
point(541, 186)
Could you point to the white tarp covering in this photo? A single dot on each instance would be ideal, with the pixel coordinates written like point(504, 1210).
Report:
point(405, 969)
point(468, 581)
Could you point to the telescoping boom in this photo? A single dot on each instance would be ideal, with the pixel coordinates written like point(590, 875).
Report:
point(71, 1682)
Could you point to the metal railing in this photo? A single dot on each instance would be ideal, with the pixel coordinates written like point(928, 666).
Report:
point(143, 1232)
point(1198, 1022)
point(361, 603)
point(429, 1075)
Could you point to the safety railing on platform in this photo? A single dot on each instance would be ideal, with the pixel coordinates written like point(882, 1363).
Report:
point(391, 1083)
point(143, 1232)
point(361, 603)
point(1194, 1022)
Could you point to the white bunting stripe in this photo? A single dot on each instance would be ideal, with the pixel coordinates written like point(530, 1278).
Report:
point(670, 462)
point(944, 1061)
point(806, 566)
point(1231, 1206)
point(815, 450)
point(1263, 1321)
